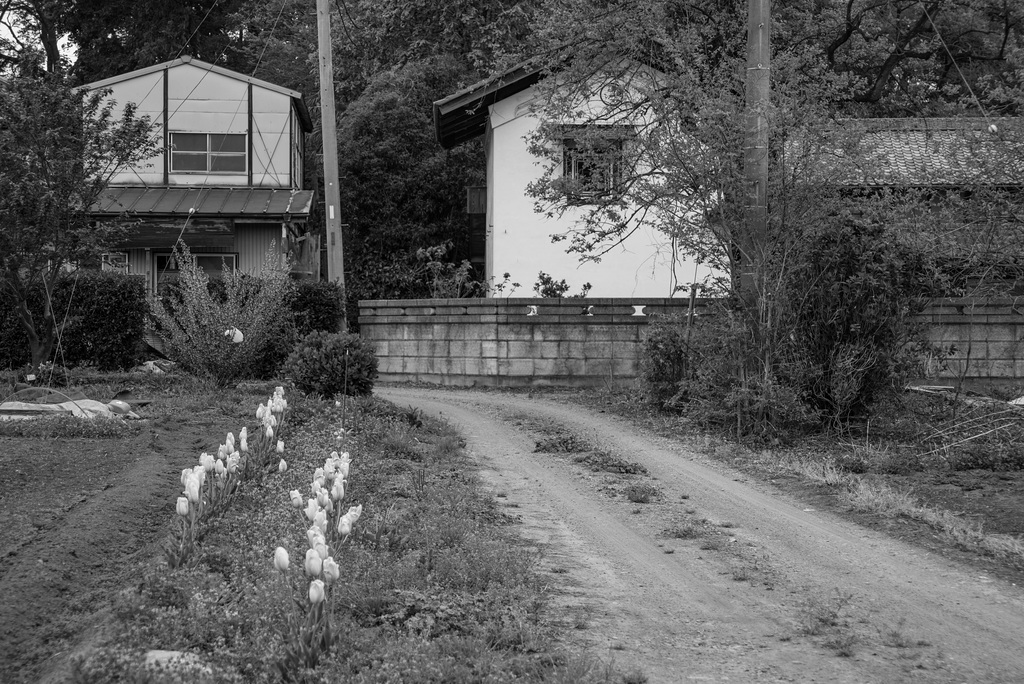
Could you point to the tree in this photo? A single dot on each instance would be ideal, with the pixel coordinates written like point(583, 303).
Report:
point(674, 73)
point(59, 149)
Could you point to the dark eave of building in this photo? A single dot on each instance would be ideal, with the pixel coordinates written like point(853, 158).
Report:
point(462, 116)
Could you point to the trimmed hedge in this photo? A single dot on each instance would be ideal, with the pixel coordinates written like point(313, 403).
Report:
point(330, 364)
point(106, 317)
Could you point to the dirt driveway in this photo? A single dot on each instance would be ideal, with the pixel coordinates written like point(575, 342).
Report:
point(719, 579)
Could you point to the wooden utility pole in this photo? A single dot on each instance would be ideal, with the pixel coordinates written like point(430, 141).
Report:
point(332, 191)
point(755, 152)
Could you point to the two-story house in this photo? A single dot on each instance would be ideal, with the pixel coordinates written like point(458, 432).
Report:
point(227, 179)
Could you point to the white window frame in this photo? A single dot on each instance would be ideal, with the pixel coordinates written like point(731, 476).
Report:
point(211, 153)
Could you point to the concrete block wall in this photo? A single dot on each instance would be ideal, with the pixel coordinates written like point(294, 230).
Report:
point(580, 342)
point(986, 337)
point(512, 342)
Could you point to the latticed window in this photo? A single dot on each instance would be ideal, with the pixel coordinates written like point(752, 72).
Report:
point(592, 160)
point(208, 153)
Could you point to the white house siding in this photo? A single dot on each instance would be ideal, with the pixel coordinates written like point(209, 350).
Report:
point(202, 101)
point(271, 144)
point(520, 238)
point(147, 92)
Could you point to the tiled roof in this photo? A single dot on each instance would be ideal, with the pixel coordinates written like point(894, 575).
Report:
point(226, 202)
point(932, 152)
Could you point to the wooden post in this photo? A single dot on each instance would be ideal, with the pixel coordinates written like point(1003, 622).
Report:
point(755, 151)
point(332, 191)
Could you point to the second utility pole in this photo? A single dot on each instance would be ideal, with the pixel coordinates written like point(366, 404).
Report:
point(328, 126)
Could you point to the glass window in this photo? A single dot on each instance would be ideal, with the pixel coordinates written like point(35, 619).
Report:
point(208, 153)
point(592, 161)
point(167, 268)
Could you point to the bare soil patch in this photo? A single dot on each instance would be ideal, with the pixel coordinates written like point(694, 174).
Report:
point(77, 511)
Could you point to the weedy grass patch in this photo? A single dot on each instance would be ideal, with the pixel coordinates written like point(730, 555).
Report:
point(425, 585)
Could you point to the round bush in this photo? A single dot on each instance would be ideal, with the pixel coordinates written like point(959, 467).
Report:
point(319, 361)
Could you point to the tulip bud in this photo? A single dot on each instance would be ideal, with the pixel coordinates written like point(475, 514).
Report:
point(182, 506)
point(311, 509)
point(270, 432)
point(315, 486)
point(321, 550)
point(281, 559)
point(316, 592)
point(338, 490)
point(206, 460)
point(282, 466)
point(233, 463)
point(331, 570)
point(296, 497)
point(220, 468)
point(320, 520)
point(192, 489)
point(243, 445)
point(280, 446)
point(314, 536)
point(185, 474)
point(313, 563)
point(344, 525)
point(261, 411)
point(322, 497)
point(355, 512)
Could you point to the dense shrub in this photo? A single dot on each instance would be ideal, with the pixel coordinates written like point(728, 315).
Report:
point(847, 328)
point(103, 314)
point(695, 370)
point(194, 321)
point(330, 364)
point(106, 319)
point(317, 305)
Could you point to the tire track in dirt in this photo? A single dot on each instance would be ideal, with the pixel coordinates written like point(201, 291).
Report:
point(683, 617)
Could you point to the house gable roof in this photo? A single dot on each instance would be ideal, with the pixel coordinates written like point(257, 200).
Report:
point(462, 116)
point(296, 96)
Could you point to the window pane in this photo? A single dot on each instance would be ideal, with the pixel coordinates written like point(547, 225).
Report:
point(213, 265)
point(189, 142)
point(227, 143)
point(227, 162)
point(189, 161)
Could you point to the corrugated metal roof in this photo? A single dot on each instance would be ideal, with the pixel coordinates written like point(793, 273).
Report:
point(178, 201)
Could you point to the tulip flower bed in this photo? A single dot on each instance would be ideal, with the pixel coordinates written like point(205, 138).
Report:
point(361, 549)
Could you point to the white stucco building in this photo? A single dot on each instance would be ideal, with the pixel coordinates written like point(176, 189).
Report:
point(518, 238)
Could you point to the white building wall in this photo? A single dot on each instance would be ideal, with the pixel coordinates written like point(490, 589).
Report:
point(271, 122)
point(202, 101)
point(147, 92)
point(519, 238)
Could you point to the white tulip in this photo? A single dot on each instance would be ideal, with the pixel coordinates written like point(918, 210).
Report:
point(280, 446)
point(355, 512)
point(321, 550)
point(206, 460)
point(344, 525)
point(331, 570)
point(192, 489)
point(220, 468)
point(316, 592)
point(311, 509)
point(182, 507)
point(270, 432)
point(282, 466)
point(313, 563)
point(338, 490)
point(281, 559)
point(320, 520)
point(296, 497)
